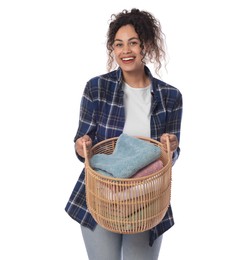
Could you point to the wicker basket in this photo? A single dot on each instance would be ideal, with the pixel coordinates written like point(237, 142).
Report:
point(131, 205)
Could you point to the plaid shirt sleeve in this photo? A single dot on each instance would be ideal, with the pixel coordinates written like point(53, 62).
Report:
point(173, 123)
point(87, 117)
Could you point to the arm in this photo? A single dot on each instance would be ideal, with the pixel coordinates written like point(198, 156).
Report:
point(87, 123)
point(173, 126)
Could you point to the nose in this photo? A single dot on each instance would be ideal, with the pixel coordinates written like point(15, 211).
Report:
point(126, 49)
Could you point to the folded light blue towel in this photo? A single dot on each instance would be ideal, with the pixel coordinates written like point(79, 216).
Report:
point(130, 155)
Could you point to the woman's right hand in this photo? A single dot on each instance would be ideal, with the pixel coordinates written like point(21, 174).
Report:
point(79, 144)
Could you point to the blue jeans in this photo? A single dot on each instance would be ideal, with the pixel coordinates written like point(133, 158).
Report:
point(102, 244)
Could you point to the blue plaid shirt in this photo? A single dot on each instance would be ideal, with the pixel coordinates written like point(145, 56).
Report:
point(102, 116)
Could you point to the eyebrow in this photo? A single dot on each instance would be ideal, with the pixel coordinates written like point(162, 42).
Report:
point(132, 38)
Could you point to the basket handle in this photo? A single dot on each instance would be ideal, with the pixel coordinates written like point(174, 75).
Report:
point(167, 143)
point(168, 148)
point(85, 153)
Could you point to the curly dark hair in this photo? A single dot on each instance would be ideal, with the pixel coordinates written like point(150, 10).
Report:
point(149, 32)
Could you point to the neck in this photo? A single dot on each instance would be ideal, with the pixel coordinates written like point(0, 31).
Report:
point(136, 79)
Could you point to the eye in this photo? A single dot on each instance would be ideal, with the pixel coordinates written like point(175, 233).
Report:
point(118, 44)
point(133, 43)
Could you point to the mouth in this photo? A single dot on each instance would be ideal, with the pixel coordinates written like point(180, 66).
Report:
point(128, 59)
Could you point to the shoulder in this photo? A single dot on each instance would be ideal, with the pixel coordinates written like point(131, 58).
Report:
point(160, 85)
point(109, 78)
point(162, 89)
point(103, 86)
point(166, 90)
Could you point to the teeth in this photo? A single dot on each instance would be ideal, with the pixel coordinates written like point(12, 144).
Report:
point(127, 59)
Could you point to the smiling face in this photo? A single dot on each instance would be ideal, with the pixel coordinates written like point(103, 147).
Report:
point(127, 50)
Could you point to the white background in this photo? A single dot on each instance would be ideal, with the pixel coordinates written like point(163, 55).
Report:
point(48, 50)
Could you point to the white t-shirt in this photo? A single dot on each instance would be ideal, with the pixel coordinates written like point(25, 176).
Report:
point(137, 102)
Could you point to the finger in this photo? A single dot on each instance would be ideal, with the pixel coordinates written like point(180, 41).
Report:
point(164, 138)
point(85, 138)
point(88, 141)
point(174, 145)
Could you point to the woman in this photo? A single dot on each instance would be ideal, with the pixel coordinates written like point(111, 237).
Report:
point(127, 99)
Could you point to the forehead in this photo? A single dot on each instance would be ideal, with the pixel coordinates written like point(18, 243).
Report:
point(126, 32)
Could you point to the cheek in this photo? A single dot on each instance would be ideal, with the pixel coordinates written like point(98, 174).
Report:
point(116, 55)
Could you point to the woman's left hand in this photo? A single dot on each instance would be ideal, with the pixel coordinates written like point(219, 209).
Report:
point(173, 140)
